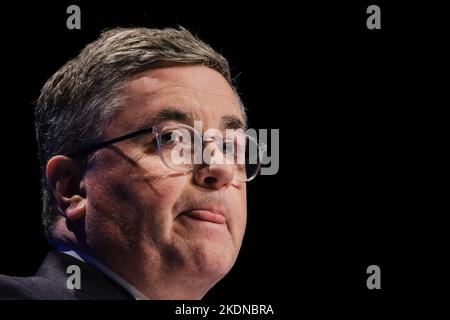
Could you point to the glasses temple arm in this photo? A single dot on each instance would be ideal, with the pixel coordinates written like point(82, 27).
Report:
point(96, 146)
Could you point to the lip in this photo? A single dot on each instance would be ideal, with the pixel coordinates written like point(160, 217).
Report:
point(207, 214)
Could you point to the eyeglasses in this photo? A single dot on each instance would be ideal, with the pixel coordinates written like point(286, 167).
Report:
point(182, 148)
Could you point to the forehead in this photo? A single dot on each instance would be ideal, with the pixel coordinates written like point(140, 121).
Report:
point(198, 90)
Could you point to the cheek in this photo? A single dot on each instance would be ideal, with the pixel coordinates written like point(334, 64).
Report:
point(239, 209)
point(129, 203)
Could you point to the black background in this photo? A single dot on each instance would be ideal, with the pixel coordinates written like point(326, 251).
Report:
point(355, 108)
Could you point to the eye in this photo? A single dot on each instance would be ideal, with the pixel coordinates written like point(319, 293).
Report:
point(173, 137)
point(169, 138)
point(229, 147)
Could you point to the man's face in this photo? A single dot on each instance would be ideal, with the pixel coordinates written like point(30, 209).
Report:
point(143, 216)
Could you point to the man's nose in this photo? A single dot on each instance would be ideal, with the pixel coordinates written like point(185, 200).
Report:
point(214, 176)
point(217, 173)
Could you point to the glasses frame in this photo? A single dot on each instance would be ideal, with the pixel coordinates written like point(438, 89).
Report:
point(157, 130)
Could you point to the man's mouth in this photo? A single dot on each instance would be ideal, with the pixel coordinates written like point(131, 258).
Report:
point(209, 215)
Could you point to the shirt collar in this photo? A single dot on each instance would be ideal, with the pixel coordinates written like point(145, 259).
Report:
point(138, 295)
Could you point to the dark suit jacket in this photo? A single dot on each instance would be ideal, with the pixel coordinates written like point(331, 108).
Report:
point(50, 283)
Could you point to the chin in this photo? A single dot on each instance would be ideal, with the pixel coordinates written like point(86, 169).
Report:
point(213, 262)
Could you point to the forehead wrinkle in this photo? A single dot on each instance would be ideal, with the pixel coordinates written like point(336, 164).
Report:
point(143, 92)
point(148, 84)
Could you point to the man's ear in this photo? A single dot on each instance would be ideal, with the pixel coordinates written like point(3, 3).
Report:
point(65, 179)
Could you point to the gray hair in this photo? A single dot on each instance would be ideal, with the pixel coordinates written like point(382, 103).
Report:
point(84, 94)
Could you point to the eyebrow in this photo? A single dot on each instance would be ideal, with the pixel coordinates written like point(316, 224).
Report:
point(229, 121)
point(168, 114)
point(232, 122)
